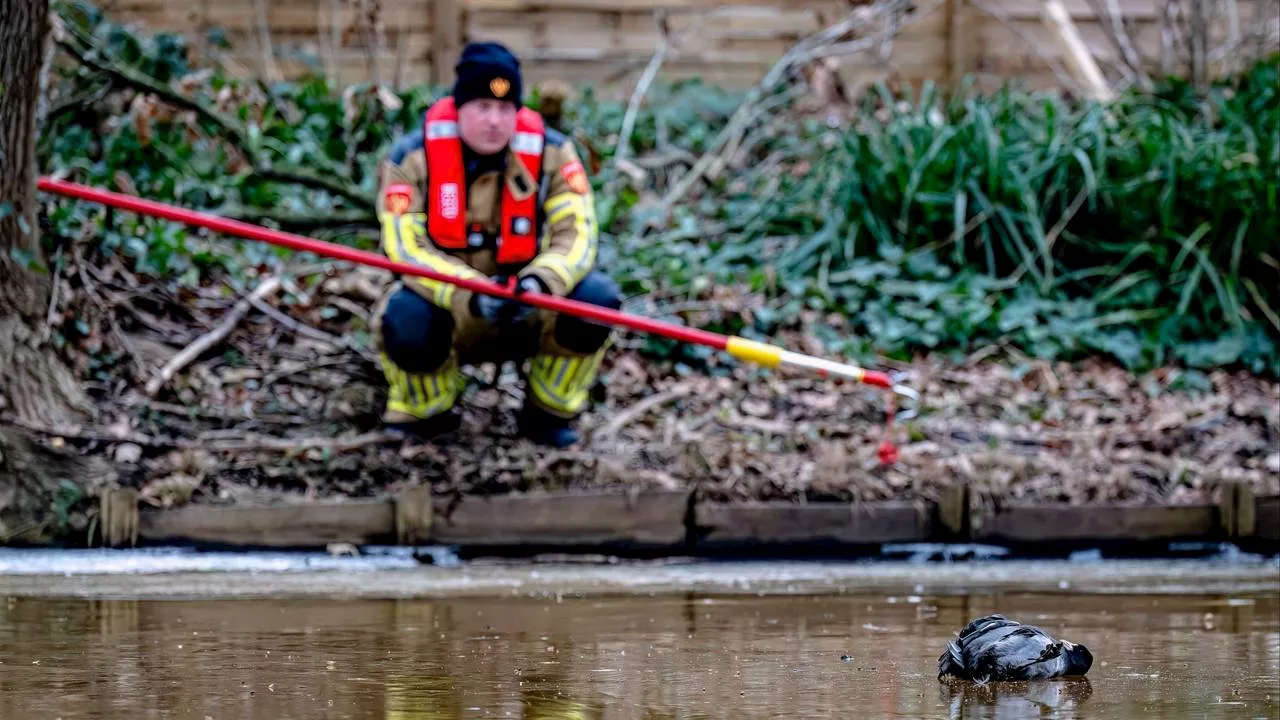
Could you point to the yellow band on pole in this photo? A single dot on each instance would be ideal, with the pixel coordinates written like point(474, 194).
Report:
point(754, 352)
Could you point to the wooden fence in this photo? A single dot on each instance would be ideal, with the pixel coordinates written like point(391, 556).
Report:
point(608, 42)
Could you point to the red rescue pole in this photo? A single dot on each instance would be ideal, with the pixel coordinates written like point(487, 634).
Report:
point(739, 347)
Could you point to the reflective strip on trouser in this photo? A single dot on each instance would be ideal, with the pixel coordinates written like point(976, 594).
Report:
point(421, 395)
point(561, 384)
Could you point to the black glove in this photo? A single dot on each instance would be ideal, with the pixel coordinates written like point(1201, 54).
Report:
point(499, 311)
point(529, 283)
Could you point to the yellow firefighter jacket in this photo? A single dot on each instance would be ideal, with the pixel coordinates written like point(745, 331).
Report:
point(566, 225)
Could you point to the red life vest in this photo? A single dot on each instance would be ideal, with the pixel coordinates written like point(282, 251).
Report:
point(447, 185)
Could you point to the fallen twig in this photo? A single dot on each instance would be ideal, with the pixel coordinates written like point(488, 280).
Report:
point(92, 292)
point(629, 415)
point(248, 443)
point(307, 331)
point(278, 375)
point(212, 413)
point(338, 444)
point(737, 421)
point(344, 304)
point(213, 337)
point(93, 434)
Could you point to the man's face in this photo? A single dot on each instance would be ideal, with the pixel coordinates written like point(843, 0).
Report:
point(487, 125)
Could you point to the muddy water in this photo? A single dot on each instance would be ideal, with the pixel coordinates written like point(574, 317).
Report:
point(1167, 656)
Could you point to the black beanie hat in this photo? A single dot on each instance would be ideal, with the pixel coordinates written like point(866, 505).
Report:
point(487, 70)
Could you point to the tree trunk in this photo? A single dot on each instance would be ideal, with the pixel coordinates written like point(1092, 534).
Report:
point(35, 385)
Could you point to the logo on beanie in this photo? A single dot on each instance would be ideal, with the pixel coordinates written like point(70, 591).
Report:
point(499, 86)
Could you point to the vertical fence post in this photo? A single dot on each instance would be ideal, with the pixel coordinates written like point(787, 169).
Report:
point(447, 35)
point(957, 45)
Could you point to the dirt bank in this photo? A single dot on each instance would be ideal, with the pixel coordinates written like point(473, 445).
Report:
point(284, 408)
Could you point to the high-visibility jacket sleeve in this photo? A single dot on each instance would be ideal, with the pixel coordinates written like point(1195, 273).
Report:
point(568, 253)
point(401, 177)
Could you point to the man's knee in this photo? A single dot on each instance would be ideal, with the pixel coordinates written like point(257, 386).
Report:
point(582, 336)
point(416, 335)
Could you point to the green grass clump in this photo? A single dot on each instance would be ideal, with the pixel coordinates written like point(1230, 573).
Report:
point(1146, 229)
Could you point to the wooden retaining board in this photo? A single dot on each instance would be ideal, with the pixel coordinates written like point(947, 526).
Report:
point(302, 525)
point(1049, 523)
point(670, 519)
point(1267, 518)
point(780, 523)
point(649, 519)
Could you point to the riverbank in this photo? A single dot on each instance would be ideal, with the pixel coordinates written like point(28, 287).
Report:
point(1012, 429)
point(672, 460)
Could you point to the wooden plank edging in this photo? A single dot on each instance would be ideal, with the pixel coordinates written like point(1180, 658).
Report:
point(1267, 518)
point(303, 525)
point(647, 519)
point(782, 522)
point(1074, 523)
point(674, 520)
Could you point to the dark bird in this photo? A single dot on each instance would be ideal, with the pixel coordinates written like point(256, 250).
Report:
point(997, 648)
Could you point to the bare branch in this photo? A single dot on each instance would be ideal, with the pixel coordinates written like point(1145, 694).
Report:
point(1032, 43)
point(824, 43)
point(1081, 59)
point(211, 338)
point(623, 148)
point(1109, 14)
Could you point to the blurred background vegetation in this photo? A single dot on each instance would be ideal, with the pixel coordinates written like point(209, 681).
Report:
point(1143, 229)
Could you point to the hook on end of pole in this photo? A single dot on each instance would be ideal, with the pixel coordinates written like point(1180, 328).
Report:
point(912, 396)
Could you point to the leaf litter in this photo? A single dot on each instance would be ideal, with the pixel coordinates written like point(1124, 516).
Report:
point(286, 409)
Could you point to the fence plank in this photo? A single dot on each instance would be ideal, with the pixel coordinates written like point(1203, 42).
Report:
point(446, 34)
point(734, 43)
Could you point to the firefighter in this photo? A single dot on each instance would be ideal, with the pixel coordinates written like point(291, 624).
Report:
point(484, 189)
